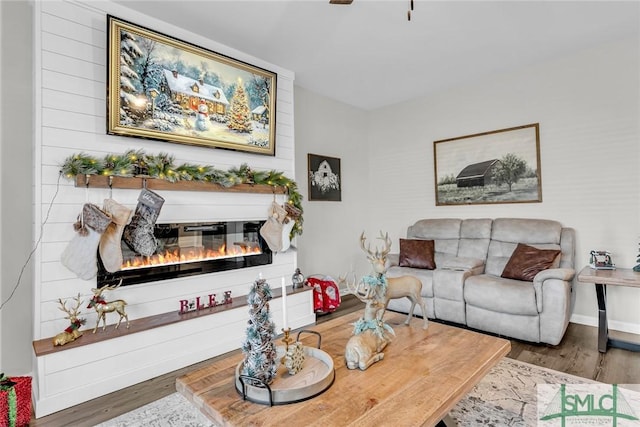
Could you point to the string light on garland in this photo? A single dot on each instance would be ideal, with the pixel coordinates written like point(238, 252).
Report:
point(81, 164)
point(161, 166)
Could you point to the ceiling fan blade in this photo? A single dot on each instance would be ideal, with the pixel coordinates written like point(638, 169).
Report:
point(340, 1)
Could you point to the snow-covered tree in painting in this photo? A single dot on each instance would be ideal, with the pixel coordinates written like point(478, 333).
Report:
point(129, 51)
point(240, 114)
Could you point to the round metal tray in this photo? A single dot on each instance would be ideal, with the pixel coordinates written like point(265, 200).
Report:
point(316, 376)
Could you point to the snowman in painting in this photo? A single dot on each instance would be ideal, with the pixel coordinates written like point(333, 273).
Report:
point(202, 117)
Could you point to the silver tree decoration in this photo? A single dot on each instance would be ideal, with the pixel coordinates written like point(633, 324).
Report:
point(258, 347)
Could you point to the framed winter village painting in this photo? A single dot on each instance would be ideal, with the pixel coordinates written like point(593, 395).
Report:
point(500, 166)
point(166, 89)
point(324, 178)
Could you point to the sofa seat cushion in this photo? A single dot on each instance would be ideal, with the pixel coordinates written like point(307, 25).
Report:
point(425, 276)
point(500, 295)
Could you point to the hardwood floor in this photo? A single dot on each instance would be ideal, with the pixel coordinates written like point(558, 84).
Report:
point(577, 354)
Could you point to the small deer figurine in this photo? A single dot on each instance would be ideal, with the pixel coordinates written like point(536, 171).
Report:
point(397, 287)
point(73, 330)
point(103, 307)
point(364, 348)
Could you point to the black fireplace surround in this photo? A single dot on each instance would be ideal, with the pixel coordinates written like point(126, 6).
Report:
point(187, 249)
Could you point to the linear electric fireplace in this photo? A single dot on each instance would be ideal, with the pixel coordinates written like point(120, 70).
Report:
point(187, 249)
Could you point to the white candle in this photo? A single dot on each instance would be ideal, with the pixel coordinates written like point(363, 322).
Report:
point(284, 304)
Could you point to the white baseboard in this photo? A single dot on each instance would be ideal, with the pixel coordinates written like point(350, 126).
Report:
point(580, 319)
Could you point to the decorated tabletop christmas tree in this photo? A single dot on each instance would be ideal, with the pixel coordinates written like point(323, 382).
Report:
point(258, 347)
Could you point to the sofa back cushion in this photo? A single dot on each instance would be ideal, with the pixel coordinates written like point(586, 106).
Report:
point(468, 238)
point(475, 235)
point(506, 233)
point(445, 232)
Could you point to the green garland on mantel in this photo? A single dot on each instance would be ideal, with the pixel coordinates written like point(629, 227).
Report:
point(138, 163)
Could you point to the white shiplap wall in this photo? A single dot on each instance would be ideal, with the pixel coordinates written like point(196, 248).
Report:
point(70, 117)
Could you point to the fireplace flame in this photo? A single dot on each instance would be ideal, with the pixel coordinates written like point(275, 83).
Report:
point(190, 254)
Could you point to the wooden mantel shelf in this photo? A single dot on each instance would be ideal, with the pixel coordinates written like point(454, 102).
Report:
point(45, 346)
point(138, 182)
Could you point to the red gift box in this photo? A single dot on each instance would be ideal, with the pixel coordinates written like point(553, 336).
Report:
point(15, 410)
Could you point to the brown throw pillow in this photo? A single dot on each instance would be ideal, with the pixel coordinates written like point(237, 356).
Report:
point(417, 253)
point(527, 261)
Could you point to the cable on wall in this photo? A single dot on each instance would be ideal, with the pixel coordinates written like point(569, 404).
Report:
point(24, 266)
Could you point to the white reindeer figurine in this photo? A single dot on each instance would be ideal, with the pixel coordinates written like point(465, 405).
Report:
point(364, 348)
point(103, 307)
point(397, 287)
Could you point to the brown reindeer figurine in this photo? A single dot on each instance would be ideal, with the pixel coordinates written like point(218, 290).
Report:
point(103, 307)
point(397, 287)
point(73, 330)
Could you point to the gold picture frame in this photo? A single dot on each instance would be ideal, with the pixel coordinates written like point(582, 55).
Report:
point(500, 166)
point(166, 89)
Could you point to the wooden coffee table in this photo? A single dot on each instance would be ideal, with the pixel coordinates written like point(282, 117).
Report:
point(422, 376)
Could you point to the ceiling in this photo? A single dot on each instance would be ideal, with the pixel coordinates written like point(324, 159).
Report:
point(369, 55)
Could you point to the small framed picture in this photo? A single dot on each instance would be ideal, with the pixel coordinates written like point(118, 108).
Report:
point(325, 181)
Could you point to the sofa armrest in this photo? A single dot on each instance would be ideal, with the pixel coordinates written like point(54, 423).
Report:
point(563, 274)
point(448, 283)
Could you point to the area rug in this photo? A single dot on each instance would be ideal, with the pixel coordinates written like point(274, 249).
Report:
point(506, 396)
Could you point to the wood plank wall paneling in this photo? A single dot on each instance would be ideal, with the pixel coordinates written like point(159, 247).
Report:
point(71, 104)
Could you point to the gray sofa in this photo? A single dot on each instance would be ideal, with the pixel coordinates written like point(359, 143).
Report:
point(466, 286)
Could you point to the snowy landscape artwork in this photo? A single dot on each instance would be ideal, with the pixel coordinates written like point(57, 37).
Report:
point(501, 166)
point(167, 89)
